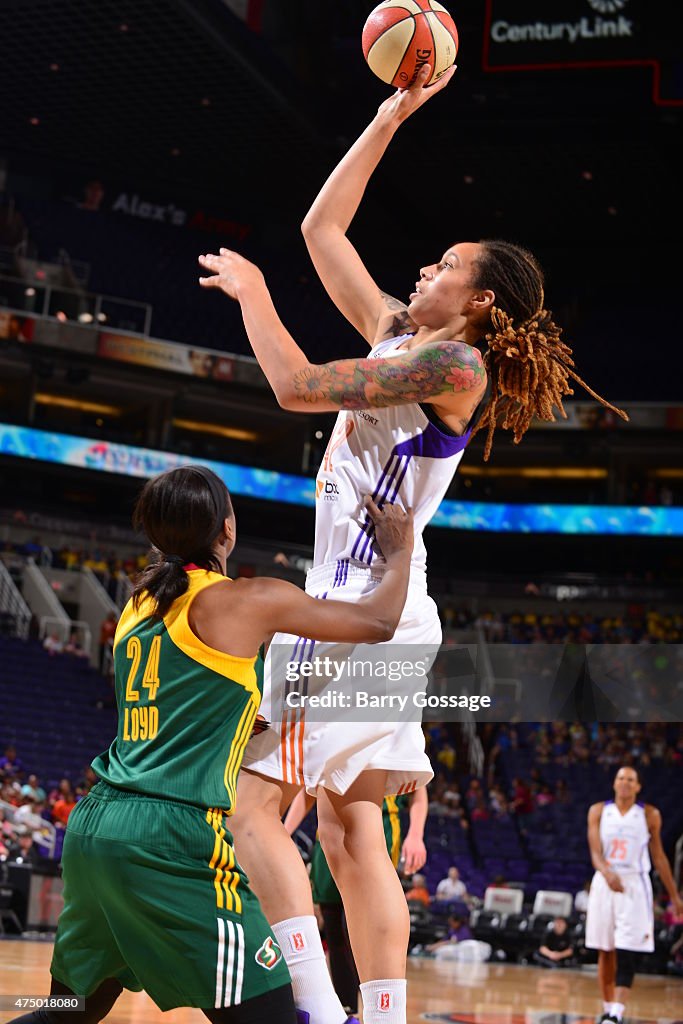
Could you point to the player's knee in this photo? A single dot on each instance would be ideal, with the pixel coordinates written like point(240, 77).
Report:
point(254, 804)
point(331, 835)
point(626, 968)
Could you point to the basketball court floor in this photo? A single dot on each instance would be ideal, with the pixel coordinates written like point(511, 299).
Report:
point(437, 991)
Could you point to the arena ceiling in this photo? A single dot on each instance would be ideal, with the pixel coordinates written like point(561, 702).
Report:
point(181, 92)
point(158, 89)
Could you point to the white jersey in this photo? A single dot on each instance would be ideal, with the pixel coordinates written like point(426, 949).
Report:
point(625, 838)
point(396, 454)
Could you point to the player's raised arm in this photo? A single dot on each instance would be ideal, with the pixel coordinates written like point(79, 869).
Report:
point(346, 279)
point(427, 373)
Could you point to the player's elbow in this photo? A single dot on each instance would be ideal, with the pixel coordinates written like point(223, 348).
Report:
point(311, 224)
point(288, 399)
point(317, 228)
point(307, 225)
point(284, 401)
point(381, 630)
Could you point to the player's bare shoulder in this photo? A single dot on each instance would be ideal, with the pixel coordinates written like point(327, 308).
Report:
point(394, 320)
point(595, 811)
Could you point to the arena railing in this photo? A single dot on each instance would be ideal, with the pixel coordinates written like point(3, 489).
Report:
point(31, 298)
point(13, 604)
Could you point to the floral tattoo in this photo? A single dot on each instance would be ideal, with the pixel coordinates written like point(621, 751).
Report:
point(445, 368)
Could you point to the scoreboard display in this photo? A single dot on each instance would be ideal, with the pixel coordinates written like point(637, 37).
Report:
point(523, 35)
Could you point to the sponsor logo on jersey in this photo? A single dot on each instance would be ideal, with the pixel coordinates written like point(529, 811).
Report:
point(328, 490)
point(340, 433)
point(366, 416)
point(268, 954)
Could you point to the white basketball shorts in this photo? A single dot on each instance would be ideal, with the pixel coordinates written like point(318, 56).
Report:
point(621, 920)
point(332, 754)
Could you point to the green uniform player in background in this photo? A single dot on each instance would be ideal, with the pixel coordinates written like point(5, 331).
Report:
point(154, 897)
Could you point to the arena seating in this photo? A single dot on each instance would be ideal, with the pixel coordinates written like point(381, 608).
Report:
point(61, 710)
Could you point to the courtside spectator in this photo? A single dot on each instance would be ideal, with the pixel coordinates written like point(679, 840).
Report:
point(452, 887)
point(458, 931)
point(419, 891)
point(557, 949)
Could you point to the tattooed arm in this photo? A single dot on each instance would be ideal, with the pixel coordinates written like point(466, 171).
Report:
point(428, 373)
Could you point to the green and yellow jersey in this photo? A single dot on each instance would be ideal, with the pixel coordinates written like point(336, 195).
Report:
point(185, 709)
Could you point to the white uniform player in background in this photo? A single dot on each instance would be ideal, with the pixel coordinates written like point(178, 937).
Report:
point(622, 835)
point(474, 333)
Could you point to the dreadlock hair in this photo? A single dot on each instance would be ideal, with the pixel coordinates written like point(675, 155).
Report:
point(182, 513)
point(529, 366)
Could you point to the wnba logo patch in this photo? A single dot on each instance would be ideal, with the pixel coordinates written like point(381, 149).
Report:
point(384, 1002)
point(297, 941)
point(269, 954)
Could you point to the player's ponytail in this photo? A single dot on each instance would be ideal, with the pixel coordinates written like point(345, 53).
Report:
point(182, 512)
point(530, 368)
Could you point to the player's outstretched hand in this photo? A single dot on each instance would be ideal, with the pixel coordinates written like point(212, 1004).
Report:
point(394, 528)
point(405, 102)
point(229, 271)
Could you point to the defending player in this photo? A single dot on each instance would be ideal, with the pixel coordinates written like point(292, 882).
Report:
point(154, 897)
point(620, 918)
point(474, 348)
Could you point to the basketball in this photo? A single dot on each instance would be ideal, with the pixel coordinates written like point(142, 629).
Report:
point(401, 36)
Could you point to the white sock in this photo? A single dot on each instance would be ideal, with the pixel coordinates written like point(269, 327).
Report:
point(617, 1010)
point(299, 940)
point(384, 1001)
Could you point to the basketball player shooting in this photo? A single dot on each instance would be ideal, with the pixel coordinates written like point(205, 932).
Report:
point(473, 348)
point(620, 918)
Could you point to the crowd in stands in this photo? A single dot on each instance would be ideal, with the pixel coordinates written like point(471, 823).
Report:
point(636, 626)
point(102, 561)
point(30, 814)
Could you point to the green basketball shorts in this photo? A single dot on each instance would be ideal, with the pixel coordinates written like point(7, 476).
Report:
point(154, 897)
